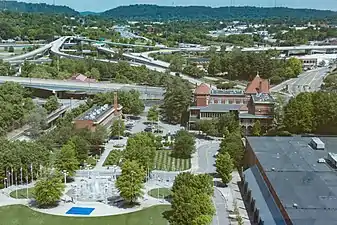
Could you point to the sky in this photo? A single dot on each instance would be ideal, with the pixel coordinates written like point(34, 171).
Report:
point(102, 5)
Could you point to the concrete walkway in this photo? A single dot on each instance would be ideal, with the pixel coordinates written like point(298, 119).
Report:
point(101, 209)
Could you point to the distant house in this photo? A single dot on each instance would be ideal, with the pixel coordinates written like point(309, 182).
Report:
point(82, 78)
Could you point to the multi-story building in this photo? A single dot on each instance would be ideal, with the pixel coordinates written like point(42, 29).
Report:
point(253, 103)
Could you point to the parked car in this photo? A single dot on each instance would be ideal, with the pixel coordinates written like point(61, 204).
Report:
point(148, 129)
point(158, 131)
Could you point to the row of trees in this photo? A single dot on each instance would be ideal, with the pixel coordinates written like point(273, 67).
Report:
point(120, 72)
point(130, 100)
point(219, 127)
point(15, 104)
point(245, 65)
point(311, 113)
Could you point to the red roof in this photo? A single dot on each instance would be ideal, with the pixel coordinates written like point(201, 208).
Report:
point(202, 89)
point(257, 85)
point(82, 78)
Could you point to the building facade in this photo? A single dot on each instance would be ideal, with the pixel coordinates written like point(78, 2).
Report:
point(252, 104)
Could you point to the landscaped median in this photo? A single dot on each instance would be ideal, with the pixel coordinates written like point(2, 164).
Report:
point(22, 193)
point(22, 215)
point(160, 193)
point(164, 161)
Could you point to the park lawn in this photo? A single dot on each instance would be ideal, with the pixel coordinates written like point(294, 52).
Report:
point(22, 215)
point(22, 193)
point(113, 158)
point(163, 192)
point(164, 161)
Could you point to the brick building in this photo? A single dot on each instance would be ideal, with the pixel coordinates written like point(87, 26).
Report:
point(99, 115)
point(253, 103)
point(290, 180)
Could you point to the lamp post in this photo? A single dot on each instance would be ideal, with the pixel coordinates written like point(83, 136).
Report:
point(65, 173)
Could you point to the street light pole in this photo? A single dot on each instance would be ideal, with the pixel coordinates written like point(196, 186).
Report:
point(65, 176)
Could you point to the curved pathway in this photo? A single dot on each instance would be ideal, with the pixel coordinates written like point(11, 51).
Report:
point(101, 209)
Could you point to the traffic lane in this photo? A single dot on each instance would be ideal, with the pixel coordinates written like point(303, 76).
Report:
point(309, 79)
point(221, 216)
point(206, 153)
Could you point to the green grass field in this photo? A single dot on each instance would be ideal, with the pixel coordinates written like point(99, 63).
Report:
point(165, 162)
point(22, 215)
point(162, 193)
point(22, 193)
point(113, 158)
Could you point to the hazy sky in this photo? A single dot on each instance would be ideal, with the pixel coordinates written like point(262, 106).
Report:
point(102, 5)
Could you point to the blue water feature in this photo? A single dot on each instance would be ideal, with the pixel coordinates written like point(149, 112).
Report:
point(80, 211)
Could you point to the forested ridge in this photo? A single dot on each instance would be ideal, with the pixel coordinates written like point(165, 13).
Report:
point(36, 7)
point(155, 12)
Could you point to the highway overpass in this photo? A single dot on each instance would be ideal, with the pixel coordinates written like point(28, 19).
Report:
point(135, 58)
point(147, 92)
point(289, 48)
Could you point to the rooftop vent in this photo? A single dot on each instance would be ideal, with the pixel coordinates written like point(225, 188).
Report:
point(317, 144)
point(321, 160)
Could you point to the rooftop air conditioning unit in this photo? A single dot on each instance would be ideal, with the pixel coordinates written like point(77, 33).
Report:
point(317, 144)
point(332, 157)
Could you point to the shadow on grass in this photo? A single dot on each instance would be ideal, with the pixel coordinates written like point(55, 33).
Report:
point(167, 214)
point(121, 203)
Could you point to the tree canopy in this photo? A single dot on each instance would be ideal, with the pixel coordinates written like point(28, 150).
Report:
point(184, 145)
point(66, 159)
point(15, 103)
point(177, 99)
point(141, 147)
point(191, 200)
point(155, 12)
point(130, 182)
point(311, 113)
point(48, 190)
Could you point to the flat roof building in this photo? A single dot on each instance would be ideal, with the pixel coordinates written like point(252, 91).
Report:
point(290, 180)
point(99, 115)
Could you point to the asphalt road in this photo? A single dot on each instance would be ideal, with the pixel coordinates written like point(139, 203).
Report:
point(308, 81)
point(206, 152)
point(221, 215)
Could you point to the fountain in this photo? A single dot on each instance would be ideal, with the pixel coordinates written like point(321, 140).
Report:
point(94, 188)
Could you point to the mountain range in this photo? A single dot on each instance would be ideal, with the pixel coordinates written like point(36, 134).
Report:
point(155, 12)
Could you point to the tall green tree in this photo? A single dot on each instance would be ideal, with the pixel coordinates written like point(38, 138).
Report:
point(177, 99)
point(66, 159)
point(214, 66)
point(48, 190)
point(37, 120)
point(224, 167)
point(142, 148)
point(191, 200)
point(130, 182)
point(153, 114)
point(117, 128)
point(298, 114)
point(82, 147)
point(257, 128)
point(232, 144)
point(51, 104)
point(177, 63)
point(295, 64)
point(184, 144)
